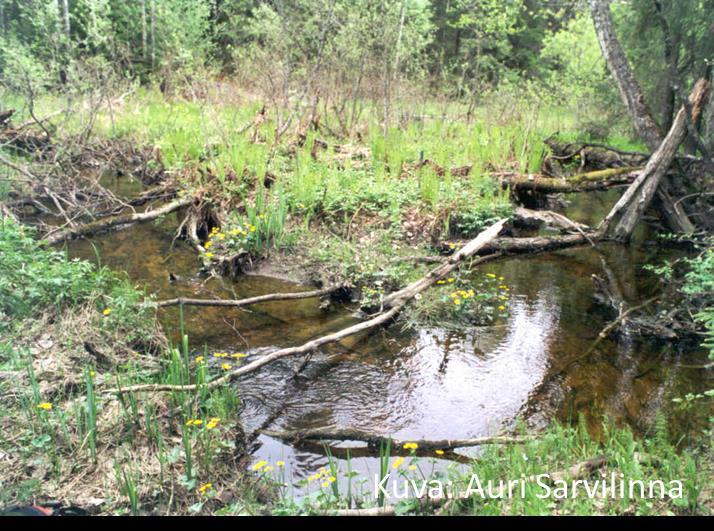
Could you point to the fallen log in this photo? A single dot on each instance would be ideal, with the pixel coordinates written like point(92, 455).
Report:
point(237, 303)
point(547, 217)
point(375, 440)
point(395, 304)
point(622, 219)
point(584, 182)
point(103, 224)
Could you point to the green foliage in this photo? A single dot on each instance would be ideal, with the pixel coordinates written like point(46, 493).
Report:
point(699, 284)
point(35, 279)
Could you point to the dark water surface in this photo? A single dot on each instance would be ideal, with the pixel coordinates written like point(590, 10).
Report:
point(431, 383)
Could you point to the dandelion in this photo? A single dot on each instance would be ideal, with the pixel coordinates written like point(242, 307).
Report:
point(194, 422)
point(332, 479)
point(412, 467)
point(208, 245)
point(410, 446)
point(397, 462)
point(325, 484)
point(457, 302)
point(212, 423)
point(440, 282)
point(439, 452)
point(280, 463)
point(220, 355)
point(199, 359)
point(209, 255)
point(502, 307)
point(490, 275)
point(238, 355)
point(205, 488)
point(502, 287)
point(107, 311)
point(259, 465)
point(452, 246)
point(451, 280)
point(44, 405)
point(226, 366)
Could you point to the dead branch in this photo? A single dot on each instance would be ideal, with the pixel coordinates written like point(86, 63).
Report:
point(237, 303)
point(114, 221)
point(374, 440)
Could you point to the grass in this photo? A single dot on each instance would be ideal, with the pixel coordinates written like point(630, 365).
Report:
point(557, 449)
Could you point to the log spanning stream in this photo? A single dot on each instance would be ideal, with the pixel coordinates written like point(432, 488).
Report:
point(430, 383)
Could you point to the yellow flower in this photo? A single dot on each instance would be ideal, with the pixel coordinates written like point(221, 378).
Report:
point(226, 366)
point(92, 374)
point(259, 465)
point(410, 446)
point(501, 307)
point(441, 282)
point(412, 467)
point(502, 287)
point(280, 463)
point(252, 228)
point(332, 479)
point(213, 423)
point(194, 422)
point(44, 405)
point(220, 355)
point(490, 275)
point(501, 278)
point(439, 452)
point(452, 246)
point(209, 255)
point(325, 484)
point(205, 487)
point(221, 236)
point(107, 311)
point(457, 302)
point(397, 462)
point(208, 244)
point(268, 468)
point(238, 355)
point(199, 359)
point(451, 280)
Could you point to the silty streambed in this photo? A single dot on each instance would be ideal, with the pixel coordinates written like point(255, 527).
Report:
point(430, 383)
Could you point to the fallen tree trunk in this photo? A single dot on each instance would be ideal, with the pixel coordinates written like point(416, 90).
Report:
point(622, 219)
point(114, 221)
point(396, 302)
point(374, 440)
point(585, 182)
point(237, 303)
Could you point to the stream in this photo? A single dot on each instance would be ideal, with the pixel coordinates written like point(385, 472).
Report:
point(430, 383)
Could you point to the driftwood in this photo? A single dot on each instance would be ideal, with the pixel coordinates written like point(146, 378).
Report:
point(237, 303)
point(374, 440)
point(391, 308)
point(103, 224)
point(622, 219)
point(547, 217)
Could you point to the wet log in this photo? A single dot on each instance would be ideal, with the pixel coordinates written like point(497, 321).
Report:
point(238, 303)
point(24, 140)
point(100, 225)
point(375, 440)
point(622, 219)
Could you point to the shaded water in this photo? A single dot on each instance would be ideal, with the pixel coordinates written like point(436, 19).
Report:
point(430, 383)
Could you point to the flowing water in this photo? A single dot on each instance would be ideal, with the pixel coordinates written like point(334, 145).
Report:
point(430, 383)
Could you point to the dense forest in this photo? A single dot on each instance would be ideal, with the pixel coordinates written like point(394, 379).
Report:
point(357, 258)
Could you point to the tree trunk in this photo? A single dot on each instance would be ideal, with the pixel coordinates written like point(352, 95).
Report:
point(617, 63)
point(65, 18)
point(622, 219)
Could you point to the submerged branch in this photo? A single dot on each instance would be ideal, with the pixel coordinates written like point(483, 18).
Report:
point(237, 303)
